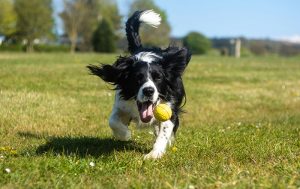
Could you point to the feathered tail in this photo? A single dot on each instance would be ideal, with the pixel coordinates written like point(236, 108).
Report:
point(132, 27)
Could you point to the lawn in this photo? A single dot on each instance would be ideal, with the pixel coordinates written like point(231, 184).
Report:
point(241, 127)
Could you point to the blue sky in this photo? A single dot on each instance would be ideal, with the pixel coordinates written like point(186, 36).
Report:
point(275, 19)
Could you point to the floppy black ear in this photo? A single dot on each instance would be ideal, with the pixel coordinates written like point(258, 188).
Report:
point(176, 60)
point(109, 73)
point(112, 73)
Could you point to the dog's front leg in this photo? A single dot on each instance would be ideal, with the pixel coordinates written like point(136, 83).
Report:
point(163, 139)
point(118, 122)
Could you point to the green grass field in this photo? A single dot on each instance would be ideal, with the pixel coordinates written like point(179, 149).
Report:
point(241, 129)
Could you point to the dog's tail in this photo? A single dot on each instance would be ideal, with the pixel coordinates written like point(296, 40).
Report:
point(132, 27)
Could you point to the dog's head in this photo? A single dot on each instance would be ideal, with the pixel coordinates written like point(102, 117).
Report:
point(145, 77)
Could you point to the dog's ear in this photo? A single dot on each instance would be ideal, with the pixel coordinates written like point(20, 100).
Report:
point(175, 61)
point(109, 73)
point(112, 73)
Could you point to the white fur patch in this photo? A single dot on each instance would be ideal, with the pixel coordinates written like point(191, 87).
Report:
point(151, 18)
point(147, 57)
point(119, 120)
point(141, 97)
point(163, 139)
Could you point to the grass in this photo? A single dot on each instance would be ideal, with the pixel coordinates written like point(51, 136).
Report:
point(241, 129)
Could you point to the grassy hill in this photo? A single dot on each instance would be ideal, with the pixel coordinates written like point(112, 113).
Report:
point(241, 128)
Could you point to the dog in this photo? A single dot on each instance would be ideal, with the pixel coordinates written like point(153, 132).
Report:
point(149, 76)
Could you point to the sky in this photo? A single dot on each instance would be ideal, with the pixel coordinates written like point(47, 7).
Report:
point(274, 19)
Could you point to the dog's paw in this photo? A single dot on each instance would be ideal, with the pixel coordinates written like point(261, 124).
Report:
point(154, 154)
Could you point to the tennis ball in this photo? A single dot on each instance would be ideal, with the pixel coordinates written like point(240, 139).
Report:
point(162, 112)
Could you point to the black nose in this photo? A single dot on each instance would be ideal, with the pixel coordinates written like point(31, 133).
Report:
point(148, 91)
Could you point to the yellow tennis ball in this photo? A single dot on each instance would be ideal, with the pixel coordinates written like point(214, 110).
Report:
point(162, 112)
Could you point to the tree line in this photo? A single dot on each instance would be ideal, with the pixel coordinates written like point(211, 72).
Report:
point(258, 47)
point(89, 25)
point(97, 25)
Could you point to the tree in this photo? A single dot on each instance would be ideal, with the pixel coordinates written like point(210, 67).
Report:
point(34, 20)
point(81, 18)
point(99, 10)
point(104, 38)
point(73, 17)
point(258, 48)
point(91, 14)
point(8, 18)
point(197, 43)
point(150, 35)
point(111, 13)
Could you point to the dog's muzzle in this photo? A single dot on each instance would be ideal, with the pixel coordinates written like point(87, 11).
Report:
point(146, 110)
point(146, 101)
point(148, 92)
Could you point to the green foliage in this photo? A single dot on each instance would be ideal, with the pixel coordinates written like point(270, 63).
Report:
point(153, 36)
point(74, 16)
point(289, 49)
point(104, 39)
point(245, 52)
point(88, 13)
point(11, 47)
point(241, 129)
point(51, 48)
point(81, 19)
point(197, 43)
point(37, 48)
point(258, 48)
point(110, 12)
point(34, 20)
point(8, 18)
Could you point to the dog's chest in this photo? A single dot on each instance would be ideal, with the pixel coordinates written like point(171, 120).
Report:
point(127, 108)
point(127, 111)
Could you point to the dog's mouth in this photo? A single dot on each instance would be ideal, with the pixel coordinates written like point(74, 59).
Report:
point(146, 110)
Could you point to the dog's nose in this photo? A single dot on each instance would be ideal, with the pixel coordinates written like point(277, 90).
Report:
point(148, 91)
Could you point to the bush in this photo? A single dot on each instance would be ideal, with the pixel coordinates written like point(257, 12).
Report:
point(51, 48)
point(197, 43)
point(258, 48)
point(245, 52)
point(11, 48)
point(104, 40)
point(37, 48)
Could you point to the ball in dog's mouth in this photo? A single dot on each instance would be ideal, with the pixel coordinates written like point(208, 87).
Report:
point(146, 110)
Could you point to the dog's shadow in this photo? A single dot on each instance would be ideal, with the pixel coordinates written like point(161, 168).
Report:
point(84, 146)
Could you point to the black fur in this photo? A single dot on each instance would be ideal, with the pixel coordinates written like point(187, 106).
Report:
point(128, 74)
point(132, 32)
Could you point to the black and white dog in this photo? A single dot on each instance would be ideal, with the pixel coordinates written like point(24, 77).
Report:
point(146, 78)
